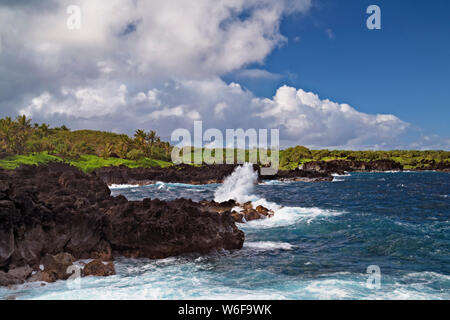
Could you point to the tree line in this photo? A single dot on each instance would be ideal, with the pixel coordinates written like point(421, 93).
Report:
point(19, 136)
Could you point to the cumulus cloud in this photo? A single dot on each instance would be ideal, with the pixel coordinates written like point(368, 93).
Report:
point(159, 65)
point(302, 117)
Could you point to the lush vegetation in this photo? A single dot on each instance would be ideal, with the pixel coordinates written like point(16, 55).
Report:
point(293, 157)
point(24, 143)
point(84, 162)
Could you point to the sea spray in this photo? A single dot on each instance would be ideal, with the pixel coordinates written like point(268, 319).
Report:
point(239, 186)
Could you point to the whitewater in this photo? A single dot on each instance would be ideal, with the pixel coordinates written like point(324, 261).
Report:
point(318, 244)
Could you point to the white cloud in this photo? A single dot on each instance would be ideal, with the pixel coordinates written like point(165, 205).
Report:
point(302, 117)
point(81, 102)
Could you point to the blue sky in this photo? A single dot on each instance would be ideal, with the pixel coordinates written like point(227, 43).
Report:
point(403, 69)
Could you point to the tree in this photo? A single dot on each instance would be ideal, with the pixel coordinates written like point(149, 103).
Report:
point(107, 150)
point(23, 122)
point(139, 137)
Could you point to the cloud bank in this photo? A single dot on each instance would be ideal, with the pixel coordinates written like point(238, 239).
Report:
point(159, 65)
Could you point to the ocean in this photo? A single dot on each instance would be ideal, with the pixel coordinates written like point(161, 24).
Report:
point(319, 245)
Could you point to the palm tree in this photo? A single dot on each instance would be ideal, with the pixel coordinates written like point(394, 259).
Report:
point(23, 122)
point(6, 134)
point(140, 136)
point(107, 150)
point(151, 137)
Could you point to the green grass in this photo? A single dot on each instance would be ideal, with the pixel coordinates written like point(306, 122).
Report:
point(13, 162)
point(86, 163)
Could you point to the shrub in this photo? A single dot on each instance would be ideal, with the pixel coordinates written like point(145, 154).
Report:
point(135, 154)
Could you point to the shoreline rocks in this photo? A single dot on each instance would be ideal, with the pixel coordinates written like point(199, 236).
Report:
point(340, 166)
point(240, 213)
point(55, 212)
point(206, 174)
point(99, 269)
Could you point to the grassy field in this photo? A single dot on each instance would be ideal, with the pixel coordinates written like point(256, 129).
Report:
point(86, 163)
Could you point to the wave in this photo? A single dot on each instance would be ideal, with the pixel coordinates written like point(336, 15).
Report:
point(274, 183)
point(341, 175)
point(179, 279)
point(123, 186)
point(268, 245)
point(180, 185)
point(286, 216)
point(239, 186)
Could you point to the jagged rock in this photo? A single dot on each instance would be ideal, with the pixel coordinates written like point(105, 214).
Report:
point(205, 174)
point(218, 207)
point(247, 213)
point(264, 211)
point(99, 269)
point(180, 173)
point(340, 166)
point(158, 229)
point(58, 264)
point(247, 206)
point(299, 175)
point(44, 276)
point(21, 272)
point(250, 213)
point(8, 279)
point(102, 252)
point(237, 217)
point(56, 209)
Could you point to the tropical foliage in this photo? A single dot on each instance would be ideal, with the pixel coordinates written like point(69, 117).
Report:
point(19, 137)
point(24, 143)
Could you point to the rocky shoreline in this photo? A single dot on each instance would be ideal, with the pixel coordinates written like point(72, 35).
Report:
point(314, 171)
point(53, 215)
point(207, 174)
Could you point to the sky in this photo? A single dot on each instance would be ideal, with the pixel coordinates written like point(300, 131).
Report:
point(310, 68)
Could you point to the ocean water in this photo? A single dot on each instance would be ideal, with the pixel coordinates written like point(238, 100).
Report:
point(318, 245)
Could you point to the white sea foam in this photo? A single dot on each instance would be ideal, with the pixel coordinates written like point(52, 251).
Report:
point(274, 183)
point(123, 186)
point(178, 278)
point(238, 186)
point(286, 216)
point(268, 245)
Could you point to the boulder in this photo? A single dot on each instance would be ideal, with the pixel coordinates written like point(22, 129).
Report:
point(44, 276)
point(58, 264)
point(99, 269)
point(264, 211)
point(159, 229)
point(21, 272)
point(7, 279)
point(237, 217)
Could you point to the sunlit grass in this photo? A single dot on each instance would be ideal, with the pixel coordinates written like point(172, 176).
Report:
point(86, 163)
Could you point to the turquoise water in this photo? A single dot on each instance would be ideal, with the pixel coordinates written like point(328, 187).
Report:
point(318, 246)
